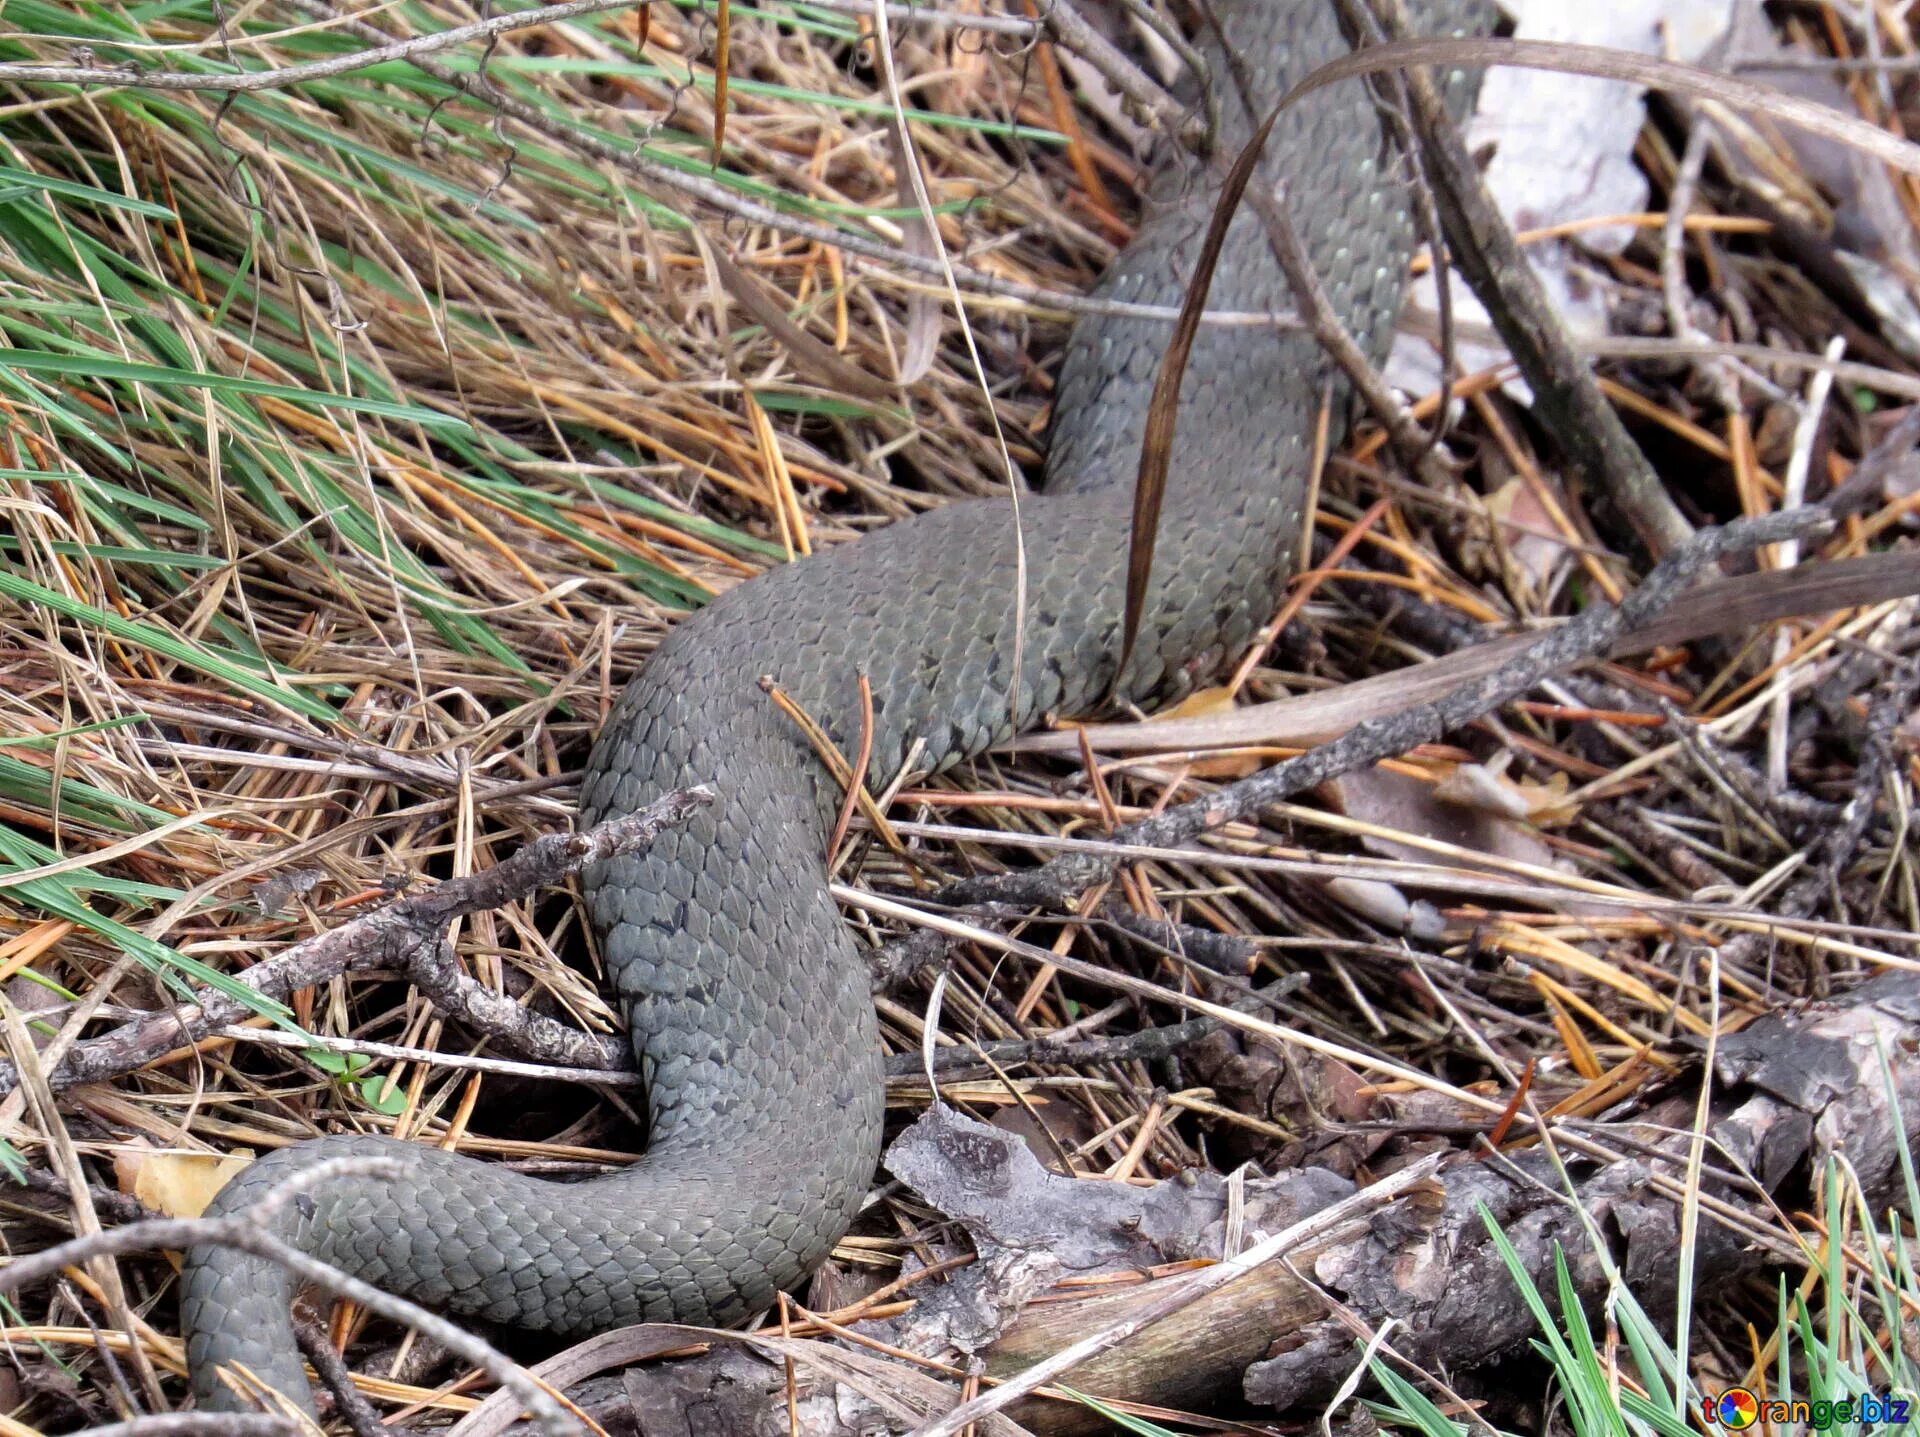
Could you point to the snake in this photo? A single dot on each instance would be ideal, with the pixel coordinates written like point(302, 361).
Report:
point(746, 997)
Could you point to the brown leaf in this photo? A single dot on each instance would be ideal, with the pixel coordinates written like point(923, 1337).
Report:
point(1526, 528)
point(1485, 788)
point(1398, 804)
point(173, 1183)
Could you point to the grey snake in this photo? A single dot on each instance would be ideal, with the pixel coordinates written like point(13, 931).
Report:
point(747, 999)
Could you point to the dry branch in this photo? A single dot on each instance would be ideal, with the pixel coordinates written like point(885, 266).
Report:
point(1791, 1090)
point(1491, 259)
point(201, 1424)
point(409, 933)
point(1593, 633)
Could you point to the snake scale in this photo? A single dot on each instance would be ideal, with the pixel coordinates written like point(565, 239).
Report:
point(747, 999)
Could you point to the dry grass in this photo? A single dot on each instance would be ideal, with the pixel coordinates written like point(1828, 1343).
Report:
point(353, 628)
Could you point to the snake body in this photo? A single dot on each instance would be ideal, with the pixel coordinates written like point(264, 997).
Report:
point(747, 998)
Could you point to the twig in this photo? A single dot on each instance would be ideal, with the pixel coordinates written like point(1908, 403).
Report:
point(1182, 1294)
point(1863, 488)
point(338, 1380)
point(1833, 64)
point(1411, 443)
point(1786, 556)
point(1791, 810)
point(435, 970)
point(1146, 101)
point(1224, 953)
point(617, 1070)
point(1148, 1045)
point(1588, 635)
point(934, 15)
point(1657, 347)
point(900, 961)
point(115, 1205)
point(1727, 771)
point(1673, 264)
point(249, 1231)
point(1486, 252)
point(857, 778)
point(404, 934)
point(202, 1424)
point(1144, 14)
point(1396, 118)
point(1835, 850)
point(253, 81)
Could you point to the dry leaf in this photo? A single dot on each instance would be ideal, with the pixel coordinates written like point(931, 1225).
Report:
point(175, 1184)
point(1032, 1122)
point(1486, 788)
point(1202, 703)
point(1385, 906)
point(1216, 703)
point(1526, 528)
point(1563, 144)
point(1396, 803)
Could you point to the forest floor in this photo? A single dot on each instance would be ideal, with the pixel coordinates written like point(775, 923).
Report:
point(362, 437)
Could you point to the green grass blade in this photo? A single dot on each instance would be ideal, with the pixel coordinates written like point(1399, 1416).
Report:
point(167, 645)
point(27, 361)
